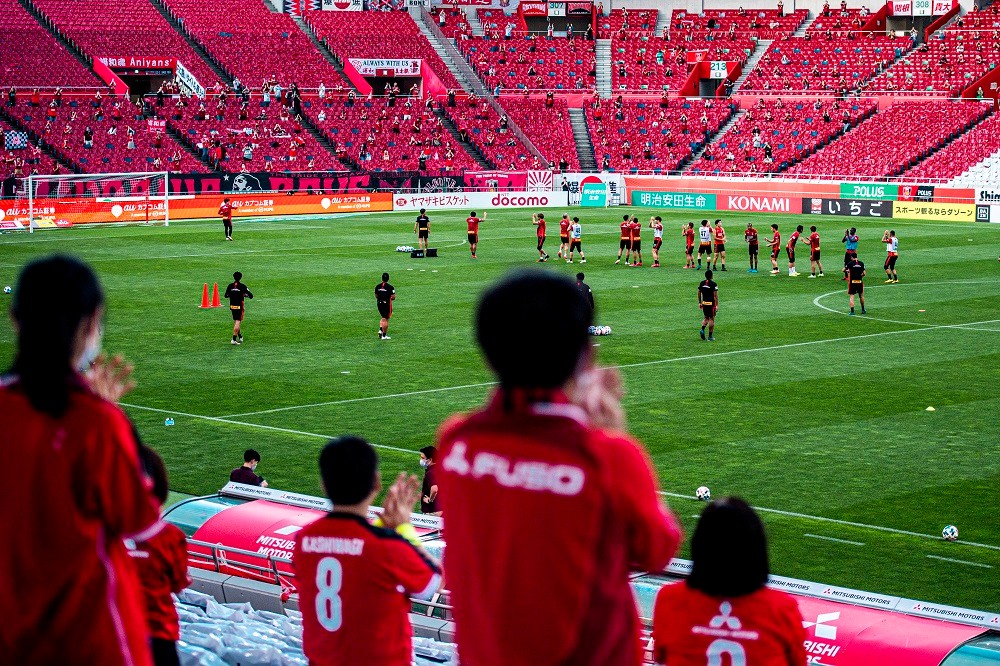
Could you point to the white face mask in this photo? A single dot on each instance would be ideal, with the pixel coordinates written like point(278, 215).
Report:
point(91, 351)
point(424, 462)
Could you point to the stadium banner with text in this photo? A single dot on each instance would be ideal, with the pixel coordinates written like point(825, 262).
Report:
point(900, 7)
point(673, 200)
point(309, 183)
point(135, 64)
point(342, 5)
point(876, 191)
point(480, 201)
point(847, 207)
point(535, 181)
point(386, 66)
point(988, 196)
point(922, 210)
point(916, 193)
point(723, 188)
point(594, 195)
point(186, 78)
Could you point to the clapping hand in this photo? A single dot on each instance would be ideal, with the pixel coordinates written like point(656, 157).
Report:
point(599, 392)
point(110, 378)
point(400, 499)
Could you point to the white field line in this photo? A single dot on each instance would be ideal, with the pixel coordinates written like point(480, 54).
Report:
point(835, 540)
point(966, 562)
point(847, 523)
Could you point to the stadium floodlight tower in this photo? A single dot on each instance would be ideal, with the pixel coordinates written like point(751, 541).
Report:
point(113, 198)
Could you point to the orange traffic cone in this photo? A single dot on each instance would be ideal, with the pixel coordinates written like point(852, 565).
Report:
point(204, 297)
point(215, 296)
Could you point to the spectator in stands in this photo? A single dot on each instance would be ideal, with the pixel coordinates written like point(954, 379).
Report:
point(161, 562)
point(88, 137)
point(69, 594)
point(552, 452)
point(727, 589)
point(11, 97)
point(245, 473)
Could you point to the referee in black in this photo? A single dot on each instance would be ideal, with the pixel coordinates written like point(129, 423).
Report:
point(385, 294)
point(422, 228)
point(237, 293)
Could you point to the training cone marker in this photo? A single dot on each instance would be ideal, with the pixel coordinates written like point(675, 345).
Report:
point(931, 409)
point(204, 297)
point(215, 296)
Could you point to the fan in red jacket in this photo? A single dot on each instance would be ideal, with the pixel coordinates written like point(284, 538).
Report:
point(69, 592)
point(161, 560)
point(549, 505)
point(723, 608)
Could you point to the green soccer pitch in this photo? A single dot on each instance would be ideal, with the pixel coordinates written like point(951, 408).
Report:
point(818, 419)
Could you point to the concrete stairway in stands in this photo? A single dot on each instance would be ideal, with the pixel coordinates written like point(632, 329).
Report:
point(452, 58)
point(473, 18)
point(216, 66)
point(581, 135)
point(327, 54)
point(603, 54)
point(748, 66)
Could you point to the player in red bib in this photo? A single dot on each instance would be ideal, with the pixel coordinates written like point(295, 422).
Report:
point(814, 261)
point(790, 250)
point(558, 473)
point(161, 561)
point(564, 225)
point(775, 244)
point(355, 579)
point(635, 238)
point(473, 224)
point(724, 613)
point(226, 212)
point(688, 233)
point(750, 236)
point(625, 241)
point(538, 219)
point(719, 236)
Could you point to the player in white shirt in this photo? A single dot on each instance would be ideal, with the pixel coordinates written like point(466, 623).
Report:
point(575, 241)
point(656, 224)
point(704, 242)
point(891, 254)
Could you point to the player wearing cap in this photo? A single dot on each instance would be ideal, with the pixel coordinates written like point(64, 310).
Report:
point(237, 293)
point(656, 224)
point(753, 247)
point(814, 261)
point(891, 255)
point(355, 579)
point(385, 294)
point(547, 455)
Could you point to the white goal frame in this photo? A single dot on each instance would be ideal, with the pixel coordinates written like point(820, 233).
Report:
point(32, 181)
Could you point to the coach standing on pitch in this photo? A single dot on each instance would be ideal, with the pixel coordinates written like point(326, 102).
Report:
point(422, 227)
point(237, 293)
point(385, 294)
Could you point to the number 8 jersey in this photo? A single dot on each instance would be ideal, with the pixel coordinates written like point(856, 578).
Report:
point(354, 582)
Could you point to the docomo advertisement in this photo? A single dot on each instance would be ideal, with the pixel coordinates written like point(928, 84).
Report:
point(480, 201)
point(387, 67)
point(66, 212)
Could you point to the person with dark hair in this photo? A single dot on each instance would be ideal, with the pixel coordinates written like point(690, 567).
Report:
point(237, 293)
point(547, 456)
point(625, 240)
point(724, 607)
point(891, 255)
point(226, 212)
point(753, 246)
point(473, 225)
point(850, 242)
point(588, 293)
point(814, 253)
point(576, 241)
point(422, 228)
point(790, 250)
point(385, 295)
point(775, 244)
point(719, 237)
point(429, 489)
point(856, 283)
point(69, 592)
point(656, 224)
point(355, 579)
point(161, 562)
point(247, 472)
point(708, 301)
point(538, 219)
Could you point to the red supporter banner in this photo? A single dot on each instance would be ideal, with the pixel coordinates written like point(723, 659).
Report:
point(579, 8)
point(386, 66)
point(534, 8)
point(156, 125)
point(696, 56)
point(900, 7)
point(342, 5)
point(942, 7)
point(138, 62)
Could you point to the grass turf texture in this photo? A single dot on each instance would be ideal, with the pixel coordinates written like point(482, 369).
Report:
point(836, 429)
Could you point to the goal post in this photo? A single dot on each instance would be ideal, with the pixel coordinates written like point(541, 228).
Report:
point(105, 198)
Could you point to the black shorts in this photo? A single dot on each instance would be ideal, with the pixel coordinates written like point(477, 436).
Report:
point(625, 244)
point(238, 312)
point(890, 262)
point(637, 246)
point(855, 287)
point(753, 249)
point(385, 309)
point(791, 255)
point(720, 247)
point(657, 242)
point(563, 239)
point(541, 242)
point(423, 233)
point(850, 256)
point(709, 310)
point(814, 255)
point(575, 245)
point(705, 248)
point(473, 239)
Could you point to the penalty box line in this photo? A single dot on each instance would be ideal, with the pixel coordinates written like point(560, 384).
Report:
point(676, 359)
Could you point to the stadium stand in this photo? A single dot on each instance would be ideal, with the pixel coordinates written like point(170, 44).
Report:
point(838, 22)
point(823, 65)
point(879, 147)
point(622, 23)
point(253, 43)
point(106, 28)
point(483, 126)
point(258, 137)
point(495, 22)
point(532, 62)
point(760, 23)
point(24, 161)
point(547, 127)
point(452, 22)
point(643, 136)
point(656, 64)
point(120, 136)
point(962, 154)
point(391, 139)
point(35, 57)
point(377, 35)
point(774, 134)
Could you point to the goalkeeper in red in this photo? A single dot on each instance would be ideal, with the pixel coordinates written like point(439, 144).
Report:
point(237, 293)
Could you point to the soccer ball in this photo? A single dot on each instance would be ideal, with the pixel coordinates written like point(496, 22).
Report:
point(949, 533)
point(7, 289)
point(704, 494)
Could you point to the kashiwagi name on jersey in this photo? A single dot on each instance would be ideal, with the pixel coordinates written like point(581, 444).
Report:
point(332, 545)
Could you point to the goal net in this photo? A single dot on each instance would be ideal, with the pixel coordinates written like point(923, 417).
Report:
point(107, 198)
